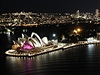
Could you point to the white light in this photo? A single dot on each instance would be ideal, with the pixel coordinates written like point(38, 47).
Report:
point(52, 40)
point(8, 30)
point(11, 50)
point(91, 39)
point(54, 35)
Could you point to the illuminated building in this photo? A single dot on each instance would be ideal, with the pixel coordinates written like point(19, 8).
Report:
point(97, 13)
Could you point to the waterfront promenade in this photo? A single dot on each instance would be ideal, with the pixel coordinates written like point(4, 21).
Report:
point(60, 46)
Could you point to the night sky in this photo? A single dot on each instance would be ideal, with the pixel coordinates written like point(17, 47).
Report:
point(69, 6)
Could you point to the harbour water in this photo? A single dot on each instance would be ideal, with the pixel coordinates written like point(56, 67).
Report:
point(77, 60)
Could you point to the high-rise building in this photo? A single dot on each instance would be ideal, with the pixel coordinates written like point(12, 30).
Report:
point(77, 14)
point(97, 13)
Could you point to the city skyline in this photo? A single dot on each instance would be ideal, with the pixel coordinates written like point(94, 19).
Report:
point(49, 5)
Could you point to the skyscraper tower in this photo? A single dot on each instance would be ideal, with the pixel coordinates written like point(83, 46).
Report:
point(97, 13)
point(77, 13)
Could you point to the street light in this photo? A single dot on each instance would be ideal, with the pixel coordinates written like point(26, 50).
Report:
point(77, 30)
point(77, 33)
point(54, 35)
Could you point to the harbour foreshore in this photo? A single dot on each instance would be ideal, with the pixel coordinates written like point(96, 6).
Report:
point(60, 46)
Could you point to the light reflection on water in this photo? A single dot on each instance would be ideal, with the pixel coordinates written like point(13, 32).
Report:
point(76, 60)
point(90, 47)
point(34, 65)
point(20, 65)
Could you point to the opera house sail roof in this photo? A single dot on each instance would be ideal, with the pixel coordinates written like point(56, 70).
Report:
point(31, 45)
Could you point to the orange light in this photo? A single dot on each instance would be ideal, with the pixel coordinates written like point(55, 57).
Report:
point(78, 29)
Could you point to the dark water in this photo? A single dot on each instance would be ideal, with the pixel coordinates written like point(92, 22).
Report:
point(80, 60)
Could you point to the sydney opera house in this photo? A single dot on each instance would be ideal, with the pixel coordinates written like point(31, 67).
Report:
point(33, 45)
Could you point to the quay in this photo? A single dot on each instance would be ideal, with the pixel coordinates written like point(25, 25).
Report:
point(60, 46)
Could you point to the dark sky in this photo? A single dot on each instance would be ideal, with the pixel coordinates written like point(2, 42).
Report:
point(49, 5)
